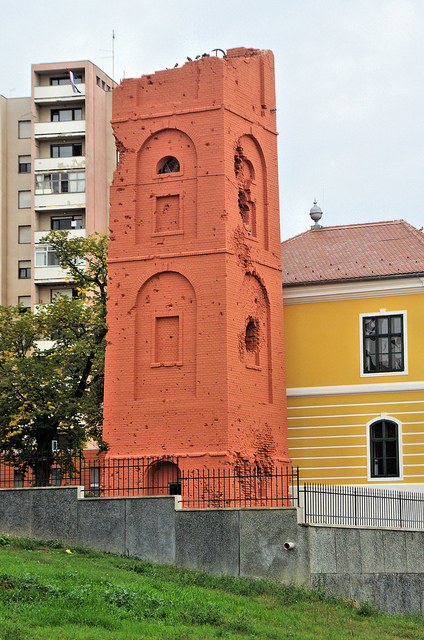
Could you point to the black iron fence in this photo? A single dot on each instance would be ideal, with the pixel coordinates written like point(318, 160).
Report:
point(200, 488)
point(362, 506)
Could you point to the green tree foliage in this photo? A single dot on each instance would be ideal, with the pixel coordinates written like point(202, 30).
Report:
point(52, 363)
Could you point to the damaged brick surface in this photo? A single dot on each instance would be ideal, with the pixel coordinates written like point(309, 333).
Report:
point(195, 356)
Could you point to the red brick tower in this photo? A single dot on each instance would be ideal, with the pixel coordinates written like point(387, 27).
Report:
point(195, 356)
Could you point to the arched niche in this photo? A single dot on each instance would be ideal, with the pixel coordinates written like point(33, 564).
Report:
point(165, 338)
point(255, 336)
point(166, 188)
point(251, 179)
point(163, 478)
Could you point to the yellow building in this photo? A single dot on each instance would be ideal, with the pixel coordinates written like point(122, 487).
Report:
point(354, 335)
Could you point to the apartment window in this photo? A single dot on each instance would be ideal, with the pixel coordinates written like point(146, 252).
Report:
point(24, 164)
point(66, 115)
point(45, 257)
point(384, 449)
point(383, 343)
point(25, 302)
point(65, 150)
point(24, 199)
point(24, 129)
point(24, 269)
point(71, 222)
point(24, 234)
point(48, 183)
point(59, 80)
point(69, 293)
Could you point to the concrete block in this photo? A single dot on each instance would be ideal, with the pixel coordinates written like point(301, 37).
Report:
point(208, 540)
point(332, 583)
point(150, 528)
point(394, 548)
point(15, 511)
point(410, 592)
point(387, 595)
point(101, 524)
point(414, 542)
point(362, 587)
point(348, 551)
point(322, 549)
point(54, 513)
point(371, 550)
point(263, 533)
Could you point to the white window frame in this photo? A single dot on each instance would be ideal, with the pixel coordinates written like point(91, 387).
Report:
point(379, 374)
point(370, 478)
point(43, 250)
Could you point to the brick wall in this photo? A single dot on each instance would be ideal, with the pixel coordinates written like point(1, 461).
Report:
point(195, 355)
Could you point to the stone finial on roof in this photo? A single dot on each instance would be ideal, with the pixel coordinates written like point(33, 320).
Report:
point(316, 215)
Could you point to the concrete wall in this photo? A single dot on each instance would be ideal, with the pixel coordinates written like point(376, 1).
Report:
point(382, 566)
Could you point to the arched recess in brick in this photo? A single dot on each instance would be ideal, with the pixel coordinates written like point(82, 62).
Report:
point(166, 200)
point(251, 177)
point(255, 338)
point(163, 478)
point(165, 338)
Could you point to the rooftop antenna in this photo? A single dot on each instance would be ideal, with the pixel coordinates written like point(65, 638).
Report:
point(112, 52)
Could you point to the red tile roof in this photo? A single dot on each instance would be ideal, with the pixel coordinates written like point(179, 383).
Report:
point(352, 252)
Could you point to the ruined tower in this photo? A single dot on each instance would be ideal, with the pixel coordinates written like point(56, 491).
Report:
point(195, 355)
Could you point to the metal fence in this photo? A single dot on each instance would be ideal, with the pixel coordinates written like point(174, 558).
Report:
point(200, 488)
point(362, 506)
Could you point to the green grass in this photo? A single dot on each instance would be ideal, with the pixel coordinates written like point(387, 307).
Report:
point(48, 592)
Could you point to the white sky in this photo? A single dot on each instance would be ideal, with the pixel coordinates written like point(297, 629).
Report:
point(349, 76)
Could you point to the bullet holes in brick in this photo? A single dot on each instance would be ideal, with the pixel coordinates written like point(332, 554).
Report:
point(245, 175)
point(169, 164)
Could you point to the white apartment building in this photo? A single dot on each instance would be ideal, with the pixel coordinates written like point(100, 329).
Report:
point(57, 156)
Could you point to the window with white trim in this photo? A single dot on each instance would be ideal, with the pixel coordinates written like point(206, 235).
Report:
point(64, 182)
point(383, 343)
point(384, 449)
point(45, 257)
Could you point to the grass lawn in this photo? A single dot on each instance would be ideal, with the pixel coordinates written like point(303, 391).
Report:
point(49, 592)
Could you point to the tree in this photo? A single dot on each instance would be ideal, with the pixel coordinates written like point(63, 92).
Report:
point(52, 364)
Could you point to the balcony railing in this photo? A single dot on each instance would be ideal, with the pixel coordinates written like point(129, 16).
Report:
point(62, 129)
point(58, 93)
point(59, 164)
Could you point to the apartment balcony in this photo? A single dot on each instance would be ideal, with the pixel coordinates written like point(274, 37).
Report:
point(57, 201)
point(58, 93)
point(49, 275)
point(44, 345)
point(65, 129)
point(72, 233)
point(59, 164)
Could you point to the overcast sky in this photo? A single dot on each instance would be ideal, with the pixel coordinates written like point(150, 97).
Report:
point(349, 76)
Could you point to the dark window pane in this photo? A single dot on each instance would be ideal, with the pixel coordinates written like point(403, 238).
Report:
point(391, 430)
point(378, 430)
point(383, 346)
point(384, 450)
point(392, 467)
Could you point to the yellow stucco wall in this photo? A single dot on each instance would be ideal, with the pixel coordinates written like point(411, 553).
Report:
point(328, 430)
